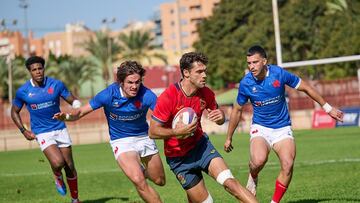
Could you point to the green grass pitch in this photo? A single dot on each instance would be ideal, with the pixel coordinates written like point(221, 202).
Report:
point(327, 169)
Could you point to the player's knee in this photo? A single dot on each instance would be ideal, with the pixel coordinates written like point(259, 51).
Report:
point(287, 166)
point(257, 162)
point(160, 181)
point(57, 164)
point(223, 176)
point(209, 199)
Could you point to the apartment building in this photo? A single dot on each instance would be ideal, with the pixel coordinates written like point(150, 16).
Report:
point(179, 21)
point(12, 43)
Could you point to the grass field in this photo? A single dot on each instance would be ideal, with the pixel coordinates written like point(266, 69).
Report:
point(327, 169)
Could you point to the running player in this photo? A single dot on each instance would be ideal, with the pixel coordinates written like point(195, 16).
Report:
point(126, 104)
point(264, 86)
point(41, 95)
point(189, 156)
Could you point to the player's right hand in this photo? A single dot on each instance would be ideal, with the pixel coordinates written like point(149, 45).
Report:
point(228, 146)
point(60, 116)
point(29, 135)
point(182, 131)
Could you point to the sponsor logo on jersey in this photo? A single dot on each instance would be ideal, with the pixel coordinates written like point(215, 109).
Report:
point(116, 104)
point(116, 117)
point(276, 84)
point(42, 105)
point(202, 104)
point(273, 100)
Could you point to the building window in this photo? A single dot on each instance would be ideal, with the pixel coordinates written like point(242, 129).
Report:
point(184, 22)
point(195, 8)
point(172, 23)
point(184, 34)
point(184, 46)
point(173, 36)
point(172, 11)
point(196, 20)
point(182, 9)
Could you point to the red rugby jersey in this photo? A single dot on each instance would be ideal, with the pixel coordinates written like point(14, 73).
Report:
point(169, 103)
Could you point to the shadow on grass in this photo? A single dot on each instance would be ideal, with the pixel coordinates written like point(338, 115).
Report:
point(324, 200)
point(106, 199)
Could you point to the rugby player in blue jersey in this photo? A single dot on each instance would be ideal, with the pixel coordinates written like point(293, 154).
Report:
point(126, 103)
point(41, 95)
point(264, 86)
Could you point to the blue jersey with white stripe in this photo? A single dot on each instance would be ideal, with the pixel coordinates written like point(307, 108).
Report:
point(42, 102)
point(126, 116)
point(268, 96)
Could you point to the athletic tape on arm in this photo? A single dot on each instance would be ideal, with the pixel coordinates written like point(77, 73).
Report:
point(76, 104)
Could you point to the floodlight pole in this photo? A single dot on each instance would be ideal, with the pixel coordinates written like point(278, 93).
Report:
point(277, 32)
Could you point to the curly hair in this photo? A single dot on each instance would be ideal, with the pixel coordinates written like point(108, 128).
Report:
point(128, 68)
point(188, 59)
point(34, 59)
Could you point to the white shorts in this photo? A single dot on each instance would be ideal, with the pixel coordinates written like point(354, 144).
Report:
point(143, 145)
point(271, 135)
point(59, 138)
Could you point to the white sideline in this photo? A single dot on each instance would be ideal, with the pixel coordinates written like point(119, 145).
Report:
point(297, 163)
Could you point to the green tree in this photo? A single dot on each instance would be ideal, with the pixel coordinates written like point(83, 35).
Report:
point(104, 51)
point(138, 45)
point(308, 31)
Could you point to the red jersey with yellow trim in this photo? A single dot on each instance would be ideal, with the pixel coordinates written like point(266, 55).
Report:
point(169, 103)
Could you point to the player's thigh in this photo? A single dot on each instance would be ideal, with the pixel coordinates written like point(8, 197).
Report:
point(198, 193)
point(154, 165)
point(259, 149)
point(54, 155)
point(285, 150)
point(216, 166)
point(129, 162)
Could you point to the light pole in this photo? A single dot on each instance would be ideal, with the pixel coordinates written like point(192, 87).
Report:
point(24, 5)
point(106, 22)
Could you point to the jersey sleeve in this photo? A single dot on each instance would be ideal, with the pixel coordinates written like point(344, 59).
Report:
point(18, 101)
point(290, 79)
point(64, 92)
point(241, 97)
point(99, 100)
point(152, 99)
point(162, 110)
point(211, 101)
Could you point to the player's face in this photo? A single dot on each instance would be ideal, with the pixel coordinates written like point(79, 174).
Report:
point(37, 72)
point(197, 74)
point(256, 65)
point(131, 85)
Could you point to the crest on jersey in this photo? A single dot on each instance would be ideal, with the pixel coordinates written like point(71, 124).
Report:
point(137, 104)
point(116, 104)
point(181, 178)
point(202, 104)
point(50, 90)
point(31, 94)
point(33, 106)
point(276, 83)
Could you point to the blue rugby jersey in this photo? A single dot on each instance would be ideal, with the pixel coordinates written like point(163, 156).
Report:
point(126, 117)
point(42, 103)
point(268, 96)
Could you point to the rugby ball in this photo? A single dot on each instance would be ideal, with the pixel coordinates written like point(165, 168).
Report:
point(186, 115)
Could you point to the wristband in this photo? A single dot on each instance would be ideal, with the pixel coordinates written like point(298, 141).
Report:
point(327, 108)
point(22, 129)
point(76, 104)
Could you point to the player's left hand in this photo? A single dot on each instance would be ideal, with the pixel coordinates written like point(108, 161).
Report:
point(228, 146)
point(216, 115)
point(336, 114)
point(60, 116)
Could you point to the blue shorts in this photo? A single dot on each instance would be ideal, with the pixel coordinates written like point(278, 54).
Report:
point(188, 169)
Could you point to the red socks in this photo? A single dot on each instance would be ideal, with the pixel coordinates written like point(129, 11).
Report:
point(280, 190)
point(73, 186)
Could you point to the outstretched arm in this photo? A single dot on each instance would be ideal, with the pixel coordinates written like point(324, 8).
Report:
point(74, 115)
point(15, 115)
point(312, 93)
point(235, 117)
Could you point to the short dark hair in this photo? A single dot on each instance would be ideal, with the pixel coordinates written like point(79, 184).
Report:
point(128, 68)
point(256, 50)
point(188, 59)
point(34, 59)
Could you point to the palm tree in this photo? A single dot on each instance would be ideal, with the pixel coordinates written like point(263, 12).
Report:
point(138, 46)
point(103, 52)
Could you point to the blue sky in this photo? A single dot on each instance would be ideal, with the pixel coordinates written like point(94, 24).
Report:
point(52, 15)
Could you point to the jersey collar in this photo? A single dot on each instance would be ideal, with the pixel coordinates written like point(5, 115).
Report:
point(33, 84)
